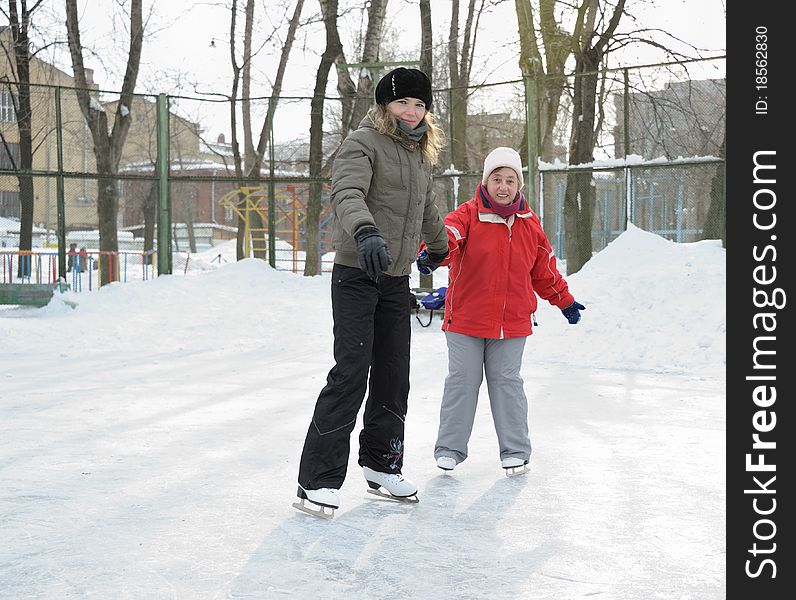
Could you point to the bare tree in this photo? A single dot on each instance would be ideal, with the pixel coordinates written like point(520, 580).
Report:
point(546, 69)
point(333, 49)
point(370, 54)
point(246, 80)
point(427, 66)
point(248, 166)
point(19, 18)
point(255, 158)
point(460, 61)
point(426, 39)
point(233, 122)
point(108, 141)
point(590, 47)
point(356, 98)
point(276, 90)
point(716, 219)
point(546, 48)
point(355, 103)
point(149, 211)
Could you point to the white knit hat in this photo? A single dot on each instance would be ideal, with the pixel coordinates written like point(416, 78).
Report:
point(503, 157)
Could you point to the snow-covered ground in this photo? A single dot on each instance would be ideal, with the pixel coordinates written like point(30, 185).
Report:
point(149, 445)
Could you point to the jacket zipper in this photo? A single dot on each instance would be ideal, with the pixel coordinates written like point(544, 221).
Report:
point(504, 297)
point(398, 146)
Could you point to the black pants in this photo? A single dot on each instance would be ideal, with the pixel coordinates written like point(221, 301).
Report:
point(372, 331)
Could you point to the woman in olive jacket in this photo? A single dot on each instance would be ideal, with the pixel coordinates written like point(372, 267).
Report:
point(383, 207)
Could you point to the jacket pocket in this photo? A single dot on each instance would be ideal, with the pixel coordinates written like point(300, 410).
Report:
point(390, 174)
point(343, 276)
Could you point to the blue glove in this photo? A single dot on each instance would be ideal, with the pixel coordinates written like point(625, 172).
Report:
point(372, 253)
point(428, 263)
point(572, 312)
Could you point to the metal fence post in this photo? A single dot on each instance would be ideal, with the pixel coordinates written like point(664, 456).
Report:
point(532, 131)
point(271, 195)
point(60, 203)
point(626, 115)
point(164, 197)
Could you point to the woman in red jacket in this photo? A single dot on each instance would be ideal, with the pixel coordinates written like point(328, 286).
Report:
point(500, 259)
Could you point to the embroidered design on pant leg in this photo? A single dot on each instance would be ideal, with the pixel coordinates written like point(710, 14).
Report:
point(396, 454)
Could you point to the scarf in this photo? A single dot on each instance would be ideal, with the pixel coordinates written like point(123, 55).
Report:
point(414, 135)
point(504, 210)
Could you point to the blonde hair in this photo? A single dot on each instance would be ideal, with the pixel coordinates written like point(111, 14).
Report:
point(432, 142)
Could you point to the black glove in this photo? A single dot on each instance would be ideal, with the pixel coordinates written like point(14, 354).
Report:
point(372, 253)
point(572, 312)
point(427, 263)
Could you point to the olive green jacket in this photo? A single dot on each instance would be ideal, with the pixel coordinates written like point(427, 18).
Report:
point(386, 182)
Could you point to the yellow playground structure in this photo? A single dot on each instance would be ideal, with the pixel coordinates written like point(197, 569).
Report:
point(251, 204)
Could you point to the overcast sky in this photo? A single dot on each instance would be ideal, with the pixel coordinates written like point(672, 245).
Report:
point(180, 38)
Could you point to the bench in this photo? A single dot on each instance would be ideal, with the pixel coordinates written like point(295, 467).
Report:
point(29, 294)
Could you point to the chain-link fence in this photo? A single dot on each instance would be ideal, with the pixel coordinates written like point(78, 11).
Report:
point(673, 201)
point(659, 158)
point(669, 181)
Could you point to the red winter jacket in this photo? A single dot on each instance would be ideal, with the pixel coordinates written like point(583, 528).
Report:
point(496, 265)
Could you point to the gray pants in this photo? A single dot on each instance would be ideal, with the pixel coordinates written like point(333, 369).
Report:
point(468, 359)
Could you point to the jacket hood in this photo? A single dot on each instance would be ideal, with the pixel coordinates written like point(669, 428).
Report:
point(366, 122)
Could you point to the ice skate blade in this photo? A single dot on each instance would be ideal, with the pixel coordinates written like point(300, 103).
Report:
point(319, 512)
point(413, 499)
point(514, 471)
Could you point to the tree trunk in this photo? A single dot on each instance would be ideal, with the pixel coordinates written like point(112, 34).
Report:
point(580, 194)
point(19, 32)
point(246, 78)
point(248, 169)
point(252, 160)
point(356, 100)
point(370, 54)
point(426, 39)
point(715, 227)
point(107, 146)
point(333, 49)
point(547, 72)
point(427, 66)
point(240, 236)
point(241, 251)
point(150, 210)
point(265, 132)
point(579, 198)
point(459, 75)
point(558, 49)
point(186, 193)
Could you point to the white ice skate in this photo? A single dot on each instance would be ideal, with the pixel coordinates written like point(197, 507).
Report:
point(397, 487)
point(514, 466)
point(319, 501)
point(446, 463)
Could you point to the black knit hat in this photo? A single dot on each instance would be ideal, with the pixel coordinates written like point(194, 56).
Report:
point(404, 83)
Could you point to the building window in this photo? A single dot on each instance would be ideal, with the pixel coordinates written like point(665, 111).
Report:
point(9, 204)
point(7, 112)
point(9, 155)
